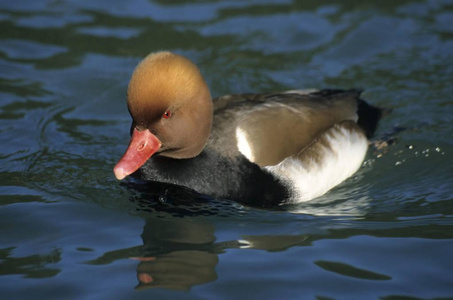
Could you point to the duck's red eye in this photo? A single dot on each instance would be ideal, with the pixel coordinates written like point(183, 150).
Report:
point(166, 114)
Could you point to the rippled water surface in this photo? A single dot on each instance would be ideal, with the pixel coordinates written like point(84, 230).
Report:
point(70, 230)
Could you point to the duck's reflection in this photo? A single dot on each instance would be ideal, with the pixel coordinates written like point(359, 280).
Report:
point(178, 254)
point(177, 270)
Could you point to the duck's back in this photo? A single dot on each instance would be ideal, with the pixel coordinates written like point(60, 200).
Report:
point(269, 128)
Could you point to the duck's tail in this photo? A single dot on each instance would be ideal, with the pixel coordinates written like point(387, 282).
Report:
point(369, 116)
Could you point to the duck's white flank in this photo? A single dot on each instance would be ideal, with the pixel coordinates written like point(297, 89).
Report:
point(334, 156)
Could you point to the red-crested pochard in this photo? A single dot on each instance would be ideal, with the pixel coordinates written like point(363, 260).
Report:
point(269, 149)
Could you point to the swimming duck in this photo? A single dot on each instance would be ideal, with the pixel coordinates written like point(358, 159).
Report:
point(269, 149)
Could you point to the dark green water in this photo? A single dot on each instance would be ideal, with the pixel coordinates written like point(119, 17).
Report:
point(69, 230)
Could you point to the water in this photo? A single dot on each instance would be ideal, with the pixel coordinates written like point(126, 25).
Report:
point(70, 230)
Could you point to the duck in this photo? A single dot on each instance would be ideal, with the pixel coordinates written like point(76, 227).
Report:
point(258, 149)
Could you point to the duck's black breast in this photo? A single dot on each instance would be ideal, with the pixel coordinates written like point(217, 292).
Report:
point(215, 175)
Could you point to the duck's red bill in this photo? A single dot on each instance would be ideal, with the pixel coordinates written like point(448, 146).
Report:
point(142, 146)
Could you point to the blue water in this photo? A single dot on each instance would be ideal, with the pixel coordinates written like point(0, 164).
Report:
point(69, 229)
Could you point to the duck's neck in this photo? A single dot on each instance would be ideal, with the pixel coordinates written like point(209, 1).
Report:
point(212, 174)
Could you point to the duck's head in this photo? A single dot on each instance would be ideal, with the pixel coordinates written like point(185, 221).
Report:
point(171, 109)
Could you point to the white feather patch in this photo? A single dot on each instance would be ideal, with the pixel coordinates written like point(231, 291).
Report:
point(340, 157)
point(243, 144)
